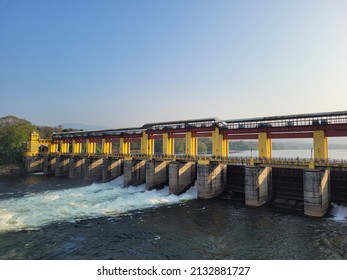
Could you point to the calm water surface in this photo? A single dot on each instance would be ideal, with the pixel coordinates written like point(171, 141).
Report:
point(45, 217)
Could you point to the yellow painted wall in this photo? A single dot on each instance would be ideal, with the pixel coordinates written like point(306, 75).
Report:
point(264, 145)
point(320, 145)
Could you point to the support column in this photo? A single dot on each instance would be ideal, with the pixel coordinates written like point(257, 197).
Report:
point(62, 166)
point(219, 144)
point(181, 176)
point(76, 167)
point(49, 164)
point(124, 146)
point(90, 147)
point(320, 145)
point(147, 145)
point(76, 147)
point(212, 179)
point(53, 148)
point(111, 169)
point(168, 145)
point(64, 147)
point(134, 172)
point(33, 163)
point(157, 174)
point(258, 185)
point(92, 168)
point(316, 192)
point(106, 147)
point(191, 144)
point(264, 145)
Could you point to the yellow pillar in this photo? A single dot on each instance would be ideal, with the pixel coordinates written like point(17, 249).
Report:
point(147, 145)
point(151, 146)
point(64, 147)
point(191, 144)
point(106, 147)
point(53, 148)
point(219, 145)
point(33, 144)
point(168, 144)
point(225, 147)
point(76, 147)
point(90, 147)
point(124, 147)
point(320, 145)
point(264, 145)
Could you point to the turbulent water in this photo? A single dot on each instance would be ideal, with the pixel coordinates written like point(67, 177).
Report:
point(45, 217)
point(35, 210)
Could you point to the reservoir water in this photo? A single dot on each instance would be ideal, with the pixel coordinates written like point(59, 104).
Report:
point(47, 217)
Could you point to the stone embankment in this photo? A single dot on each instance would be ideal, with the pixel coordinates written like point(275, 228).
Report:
point(11, 169)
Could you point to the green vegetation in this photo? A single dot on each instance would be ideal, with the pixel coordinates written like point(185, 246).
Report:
point(242, 145)
point(14, 133)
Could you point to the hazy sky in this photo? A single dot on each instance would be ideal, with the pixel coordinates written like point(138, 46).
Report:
point(124, 63)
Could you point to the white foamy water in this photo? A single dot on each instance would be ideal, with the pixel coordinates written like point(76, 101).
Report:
point(339, 212)
point(36, 210)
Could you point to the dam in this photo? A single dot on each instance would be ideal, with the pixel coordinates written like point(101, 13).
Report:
point(103, 155)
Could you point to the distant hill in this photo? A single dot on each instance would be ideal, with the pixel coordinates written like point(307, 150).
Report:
point(12, 120)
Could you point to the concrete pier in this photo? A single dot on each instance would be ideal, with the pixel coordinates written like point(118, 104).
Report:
point(33, 164)
point(316, 192)
point(211, 179)
point(181, 176)
point(62, 166)
point(76, 169)
point(134, 172)
point(92, 169)
point(157, 174)
point(257, 185)
point(111, 169)
point(49, 164)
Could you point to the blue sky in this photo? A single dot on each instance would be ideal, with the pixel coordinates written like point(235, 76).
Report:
point(125, 63)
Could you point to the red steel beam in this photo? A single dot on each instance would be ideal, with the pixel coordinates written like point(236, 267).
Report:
point(132, 140)
point(156, 136)
point(336, 133)
point(241, 137)
point(202, 134)
point(290, 135)
point(174, 135)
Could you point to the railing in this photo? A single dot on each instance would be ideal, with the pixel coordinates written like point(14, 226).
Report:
point(290, 120)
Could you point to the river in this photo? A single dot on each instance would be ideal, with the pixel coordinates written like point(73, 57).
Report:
point(47, 217)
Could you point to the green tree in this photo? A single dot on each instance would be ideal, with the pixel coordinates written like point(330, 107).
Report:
point(180, 145)
point(12, 139)
point(202, 148)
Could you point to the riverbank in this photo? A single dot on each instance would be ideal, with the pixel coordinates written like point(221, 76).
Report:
point(12, 169)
